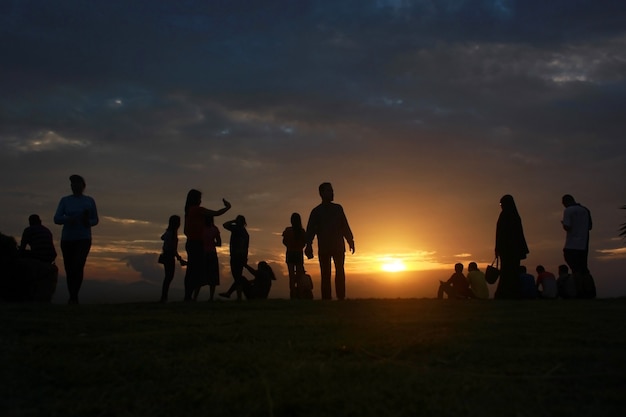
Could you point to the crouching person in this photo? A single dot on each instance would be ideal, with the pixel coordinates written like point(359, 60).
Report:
point(259, 287)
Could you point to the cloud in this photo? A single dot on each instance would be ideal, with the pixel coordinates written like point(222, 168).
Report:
point(41, 142)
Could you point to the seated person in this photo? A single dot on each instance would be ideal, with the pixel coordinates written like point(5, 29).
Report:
point(527, 281)
point(546, 283)
point(259, 287)
point(565, 283)
point(477, 281)
point(24, 279)
point(304, 287)
point(39, 238)
point(456, 286)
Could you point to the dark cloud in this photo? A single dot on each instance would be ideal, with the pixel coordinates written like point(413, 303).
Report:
point(453, 101)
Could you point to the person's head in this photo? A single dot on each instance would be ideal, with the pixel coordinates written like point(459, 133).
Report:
point(522, 269)
point(34, 220)
point(240, 221)
point(326, 192)
point(540, 269)
point(174, 222)
point(563, 270)
point(194, 198)
point(458, 267)
point(77, 183)
point(8, 248)
point(296, 221)
point(265, 268)
point(472, 266)
point(507, 203)
point(568, 200)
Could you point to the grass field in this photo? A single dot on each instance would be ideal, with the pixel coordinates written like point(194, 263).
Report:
point(281, 358)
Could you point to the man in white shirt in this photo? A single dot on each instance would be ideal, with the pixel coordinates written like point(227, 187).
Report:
point(577, 224)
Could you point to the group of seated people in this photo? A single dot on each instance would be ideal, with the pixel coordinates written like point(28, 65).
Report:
point(474, 285)
point(27, 271)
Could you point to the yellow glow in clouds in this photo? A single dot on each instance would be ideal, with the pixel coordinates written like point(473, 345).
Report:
point(393, 265)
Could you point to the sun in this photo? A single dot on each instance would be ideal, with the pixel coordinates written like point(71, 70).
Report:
point(393, 265)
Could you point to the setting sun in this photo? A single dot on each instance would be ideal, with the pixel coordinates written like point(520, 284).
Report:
point(393, 265)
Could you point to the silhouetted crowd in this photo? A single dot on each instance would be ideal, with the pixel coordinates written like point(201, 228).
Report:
point(512, 278)
point(28, 271)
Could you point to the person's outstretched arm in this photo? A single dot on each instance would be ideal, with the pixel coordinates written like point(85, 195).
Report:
point(221, 211)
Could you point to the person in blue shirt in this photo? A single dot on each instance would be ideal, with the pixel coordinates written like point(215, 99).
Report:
point(527, 283)
point(78, 214)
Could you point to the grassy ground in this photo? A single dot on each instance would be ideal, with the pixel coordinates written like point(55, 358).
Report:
point(282, 358)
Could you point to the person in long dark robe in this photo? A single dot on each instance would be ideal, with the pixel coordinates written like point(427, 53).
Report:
point(511, 248)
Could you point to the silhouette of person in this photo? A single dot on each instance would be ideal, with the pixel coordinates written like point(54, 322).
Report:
point(527, 282)
point(170, 254)
point(212, 240)
point(477, 281)
point(78, 214)
point(546, 283)
point(24, 278)
point(259, 287)
point(328, 222)
point(239, 243)
point(577, 224)
point(294, 239)
point(304, 287)
point(511, 247)
point(195, 221)
point(39, 238)
point(565, 283)
point(457, 286)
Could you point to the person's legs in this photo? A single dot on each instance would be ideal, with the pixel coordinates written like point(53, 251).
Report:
point(169, 267)
point(75, 254)
point(293, 276)
point(509, 284)
point(69, 255)
point(445, 288)
point(195, 266)
point(325, 271)
point(576, 260)
point(236, 269)
point(238, 276)
point(299, 273)
point(340, 275)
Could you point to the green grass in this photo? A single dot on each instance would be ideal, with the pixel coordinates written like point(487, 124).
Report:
point(282, 358)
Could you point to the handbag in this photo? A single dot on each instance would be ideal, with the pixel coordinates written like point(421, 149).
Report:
point(492, 273)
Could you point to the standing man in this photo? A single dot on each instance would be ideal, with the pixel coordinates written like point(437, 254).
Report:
point(577, 224)
point(78, 214)
point(328, 222)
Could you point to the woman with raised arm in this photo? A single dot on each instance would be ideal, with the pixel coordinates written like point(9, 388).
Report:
point(195, 219)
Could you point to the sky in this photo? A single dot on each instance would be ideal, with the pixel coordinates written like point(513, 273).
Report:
point(421, 113)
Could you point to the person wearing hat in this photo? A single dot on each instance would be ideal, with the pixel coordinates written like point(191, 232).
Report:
point(78, 214)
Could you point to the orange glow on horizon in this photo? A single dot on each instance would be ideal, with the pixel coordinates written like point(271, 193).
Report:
point(393, 265)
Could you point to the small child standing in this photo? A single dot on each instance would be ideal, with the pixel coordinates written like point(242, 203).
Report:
point(169, 254)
